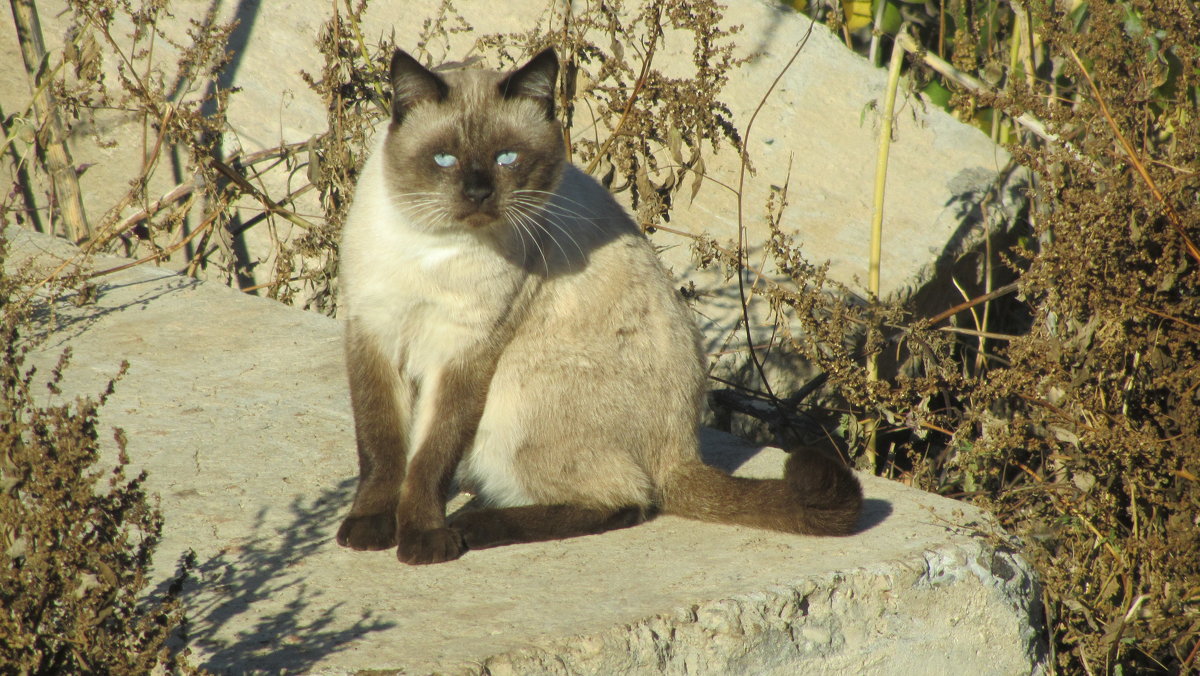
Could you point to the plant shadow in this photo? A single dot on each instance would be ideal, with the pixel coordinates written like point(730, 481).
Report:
point(58, 323)
point(232, 635)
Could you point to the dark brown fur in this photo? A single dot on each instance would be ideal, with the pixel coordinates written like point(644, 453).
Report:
point(817, 496)
point(379, 428)
point(486, 528)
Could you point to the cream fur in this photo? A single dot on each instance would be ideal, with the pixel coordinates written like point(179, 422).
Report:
point(591, 336)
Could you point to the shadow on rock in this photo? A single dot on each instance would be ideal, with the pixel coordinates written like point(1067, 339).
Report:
point(303, 625)
point(874, 512)
point(73, 313)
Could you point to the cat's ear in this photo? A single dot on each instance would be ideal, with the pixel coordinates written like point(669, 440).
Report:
point(534, 80)
point(412, 83)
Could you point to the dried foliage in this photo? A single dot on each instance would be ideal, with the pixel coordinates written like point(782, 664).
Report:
point(1072, 412)
point(179, 112)
point(75, 538)
point(1103, 393)
point(633, 126)
point(120, 71)
point(354, 86)
point(637, 127)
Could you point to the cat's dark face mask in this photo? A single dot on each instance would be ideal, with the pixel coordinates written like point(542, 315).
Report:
point(474, 150)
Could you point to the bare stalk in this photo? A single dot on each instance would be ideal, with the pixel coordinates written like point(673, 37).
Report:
point(876, 32)
point(52, 136)
point(881, 164)
point(741, 192)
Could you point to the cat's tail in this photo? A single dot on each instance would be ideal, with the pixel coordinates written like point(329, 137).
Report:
point(817, 495)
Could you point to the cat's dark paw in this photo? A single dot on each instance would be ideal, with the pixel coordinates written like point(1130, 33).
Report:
point(370, 532)
point(418, 547)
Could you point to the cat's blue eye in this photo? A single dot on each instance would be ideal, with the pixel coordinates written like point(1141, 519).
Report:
point(506, 158)
point(445, 160)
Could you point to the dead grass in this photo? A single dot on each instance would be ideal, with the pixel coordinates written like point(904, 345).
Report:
point(1079, 428)
point(76, 536)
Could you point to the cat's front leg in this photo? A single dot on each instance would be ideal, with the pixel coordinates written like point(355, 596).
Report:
point(449, 408)
point(380, 402)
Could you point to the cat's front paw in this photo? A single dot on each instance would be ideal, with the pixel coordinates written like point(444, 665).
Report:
point(371, 531)
point(437, 545)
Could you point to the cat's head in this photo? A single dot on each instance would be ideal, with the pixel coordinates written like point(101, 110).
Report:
point(473, 149)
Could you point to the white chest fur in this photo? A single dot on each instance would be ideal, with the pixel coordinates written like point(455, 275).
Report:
point(426, 295)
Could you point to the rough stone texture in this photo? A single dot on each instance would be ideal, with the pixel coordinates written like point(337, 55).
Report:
point(237, 408)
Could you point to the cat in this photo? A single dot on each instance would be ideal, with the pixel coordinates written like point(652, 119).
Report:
point(511, 330)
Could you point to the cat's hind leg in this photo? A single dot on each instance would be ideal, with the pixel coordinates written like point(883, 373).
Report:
point(492, 527)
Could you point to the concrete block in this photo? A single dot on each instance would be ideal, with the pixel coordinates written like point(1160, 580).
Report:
point(237, 408)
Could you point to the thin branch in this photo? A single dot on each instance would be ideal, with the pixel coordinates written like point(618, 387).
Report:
point(978, 87)
point(637, 88)
point(186, 188)
point(52, 135)
point(1167, 316)
point(741, 192)
point(980, 334)
point(946, 314)
point(160, 255)
point(248, 187)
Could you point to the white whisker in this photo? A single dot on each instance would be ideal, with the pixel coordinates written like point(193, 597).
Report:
point(549, 235)
point(508, 217)
point(550, 202)
point(525, 224)
point(561, 227)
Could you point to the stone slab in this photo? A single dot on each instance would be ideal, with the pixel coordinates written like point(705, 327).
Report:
point(237, 408)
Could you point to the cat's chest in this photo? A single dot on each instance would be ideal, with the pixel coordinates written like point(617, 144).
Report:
point(430, 298)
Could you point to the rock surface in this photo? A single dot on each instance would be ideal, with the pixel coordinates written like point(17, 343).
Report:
point(237, 408)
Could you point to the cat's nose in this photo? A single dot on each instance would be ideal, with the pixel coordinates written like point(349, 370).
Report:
point(477, 187)
point(478, 193)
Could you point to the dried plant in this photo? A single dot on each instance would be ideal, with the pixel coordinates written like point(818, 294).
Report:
point(76, 538)
point(1069, 410)
point(634, 127)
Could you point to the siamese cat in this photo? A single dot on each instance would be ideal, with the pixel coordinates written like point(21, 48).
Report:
point(510, 330)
